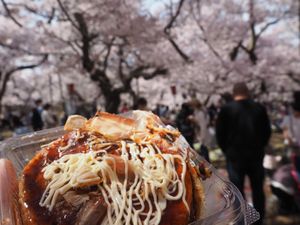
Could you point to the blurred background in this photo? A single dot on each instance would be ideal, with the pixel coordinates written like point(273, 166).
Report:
point(64, 57)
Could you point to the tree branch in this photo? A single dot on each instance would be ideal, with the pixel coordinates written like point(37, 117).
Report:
point(30, 66)
point(156, 72)
point(167, 31)
point(235, 51)
point(67, 14)
point(51, 16)
point(73, 44)
point(27, 52)
point(140, 72)
point(266, 27)
point(10, 15)
point(87, 63)
point(243, 47)
point(184, 56)
point(250, 50)
point(120, 65)
point(109, 45)
point(136, 73)
point(205, 40)
point(99, 76)
point(253, 37)
point(96, 74)
point(174, 17)
point(8, 74)
point(18, 48)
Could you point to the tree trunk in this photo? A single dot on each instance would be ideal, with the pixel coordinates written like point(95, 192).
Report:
point(3, 87)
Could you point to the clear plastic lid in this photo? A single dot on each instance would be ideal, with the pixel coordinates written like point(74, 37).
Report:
point(223, 202)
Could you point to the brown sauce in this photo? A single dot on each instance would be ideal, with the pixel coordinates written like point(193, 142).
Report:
point(65, 214)
point(35, 184)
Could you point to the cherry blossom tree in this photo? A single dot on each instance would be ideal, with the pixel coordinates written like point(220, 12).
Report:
point(230, 41)
point(103, 40)
point(203, 46)
point(19, 50)
point(109, 44)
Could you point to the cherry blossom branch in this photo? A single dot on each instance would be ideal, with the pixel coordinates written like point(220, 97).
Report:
point(205, 39)
point(10, 15)
point(156, 72)
point(31, 66)
point(185, 57)
point(254, 36)
point(211, 47)
point(20, 49)
point(167, 31)
point(266, 27)
point(174, 17)
point(73, 44)
point(141, 71)
point(96, 74)
point(67, 14)
point(88, 64)
point(120, 64)
point(49, 17)
point(9, 73)
point(126, 81)
point(25, 51)
point(109, 46)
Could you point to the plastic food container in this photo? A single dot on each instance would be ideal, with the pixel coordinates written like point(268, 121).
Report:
point(223, 202)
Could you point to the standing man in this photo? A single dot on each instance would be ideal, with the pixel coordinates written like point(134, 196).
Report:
point(243, 131)
point(48, 117)
point(201, 125)
point(185, 123)
point(36, 117)
point(72, 104)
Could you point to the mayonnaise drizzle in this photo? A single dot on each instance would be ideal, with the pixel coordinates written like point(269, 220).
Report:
point(140, 197)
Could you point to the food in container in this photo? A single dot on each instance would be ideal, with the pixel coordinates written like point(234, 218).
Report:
point(120, 170)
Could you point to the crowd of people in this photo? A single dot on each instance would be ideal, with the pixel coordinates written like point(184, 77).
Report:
point(240, 126)
point(41, 116)
point(243, 129)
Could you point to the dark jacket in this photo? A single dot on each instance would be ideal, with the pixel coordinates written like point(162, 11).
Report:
point(36, 120)
point(184, 124)
point(243, 130)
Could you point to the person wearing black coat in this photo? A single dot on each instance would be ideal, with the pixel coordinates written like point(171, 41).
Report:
point(36, 117)
point(243, 131)
point(185, 124)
